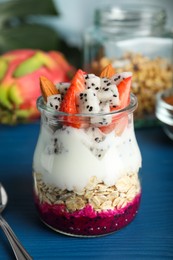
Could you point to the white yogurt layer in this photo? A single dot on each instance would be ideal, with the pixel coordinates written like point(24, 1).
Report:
point(69, 157)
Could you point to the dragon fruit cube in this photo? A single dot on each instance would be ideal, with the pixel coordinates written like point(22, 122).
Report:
point(109, 94)
point(54, 101)
point(63, 87)
point(88, 102)
point(92, 82)
point(117, 78)
point(98, 121)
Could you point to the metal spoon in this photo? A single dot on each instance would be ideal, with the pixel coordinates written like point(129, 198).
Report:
point(18, 249)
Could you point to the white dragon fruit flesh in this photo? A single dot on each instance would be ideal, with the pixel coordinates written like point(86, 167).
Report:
point(62, 87)
point(102, 120)
point(54, 101)
point(117, 78)
point(95, 135)
point(88, 102)
point(99, 153)
point(55, 147)
point(98, 97)
point(96, 142)
point(109, 94)
point(92, 82)
point(105, 82)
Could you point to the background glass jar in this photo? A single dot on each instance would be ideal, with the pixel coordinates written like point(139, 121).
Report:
point(86, 175)
point(133, 38)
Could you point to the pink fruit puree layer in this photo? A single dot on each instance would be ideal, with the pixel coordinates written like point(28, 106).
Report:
point(87, 222)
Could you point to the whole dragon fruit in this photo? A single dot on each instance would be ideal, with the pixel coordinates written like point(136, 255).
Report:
point(19, 81)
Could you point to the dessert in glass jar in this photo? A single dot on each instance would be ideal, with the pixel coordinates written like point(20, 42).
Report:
point(87, 159)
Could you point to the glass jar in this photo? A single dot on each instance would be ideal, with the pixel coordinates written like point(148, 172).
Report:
point(164, 111)
point(86, 177)
point(133, 38)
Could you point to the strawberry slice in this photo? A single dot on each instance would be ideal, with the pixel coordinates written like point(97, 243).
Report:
point(124, 96)
point(108, 128)
point(124, 93)
point(68, 104)
point(121, 124)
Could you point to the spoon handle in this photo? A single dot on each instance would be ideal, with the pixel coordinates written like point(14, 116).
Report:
point(18, 249)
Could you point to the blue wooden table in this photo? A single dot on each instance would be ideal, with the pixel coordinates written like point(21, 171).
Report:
point(149, 236)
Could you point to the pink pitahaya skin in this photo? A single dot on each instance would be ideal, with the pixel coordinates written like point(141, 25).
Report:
point(87, 222)
point(64, 66)
point(19, 54)
point(21, 92)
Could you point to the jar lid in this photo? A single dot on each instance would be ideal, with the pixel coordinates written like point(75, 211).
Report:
point(130, 14)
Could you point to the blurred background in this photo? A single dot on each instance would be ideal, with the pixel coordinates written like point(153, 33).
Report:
point(57, 29)
point(71, 29)
point(23, 23)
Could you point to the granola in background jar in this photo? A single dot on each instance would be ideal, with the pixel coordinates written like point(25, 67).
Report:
point(133, 38)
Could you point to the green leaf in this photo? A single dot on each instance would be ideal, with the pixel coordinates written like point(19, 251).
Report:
point(22, 8)
point(28, 36)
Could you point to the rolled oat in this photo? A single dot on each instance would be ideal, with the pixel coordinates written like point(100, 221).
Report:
point(97, 194)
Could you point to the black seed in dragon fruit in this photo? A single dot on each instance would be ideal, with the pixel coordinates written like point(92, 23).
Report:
point(102, 120)
point(117, 78)
point(54, 101)
point(98, 152)
point(88, 102)
point(105, 82)
point(63, 87)
point(92, 82)
point(55, 147)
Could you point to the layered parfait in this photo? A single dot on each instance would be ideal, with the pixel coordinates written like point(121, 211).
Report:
point(87, 160)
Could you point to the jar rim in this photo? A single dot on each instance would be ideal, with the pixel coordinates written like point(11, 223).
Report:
point(41, 105)
point(160, 98)
point(164, 110)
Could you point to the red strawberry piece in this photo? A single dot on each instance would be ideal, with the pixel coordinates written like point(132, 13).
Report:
point(68, 104)
point(107, 129)
point(119, 124)
point(124, 93)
